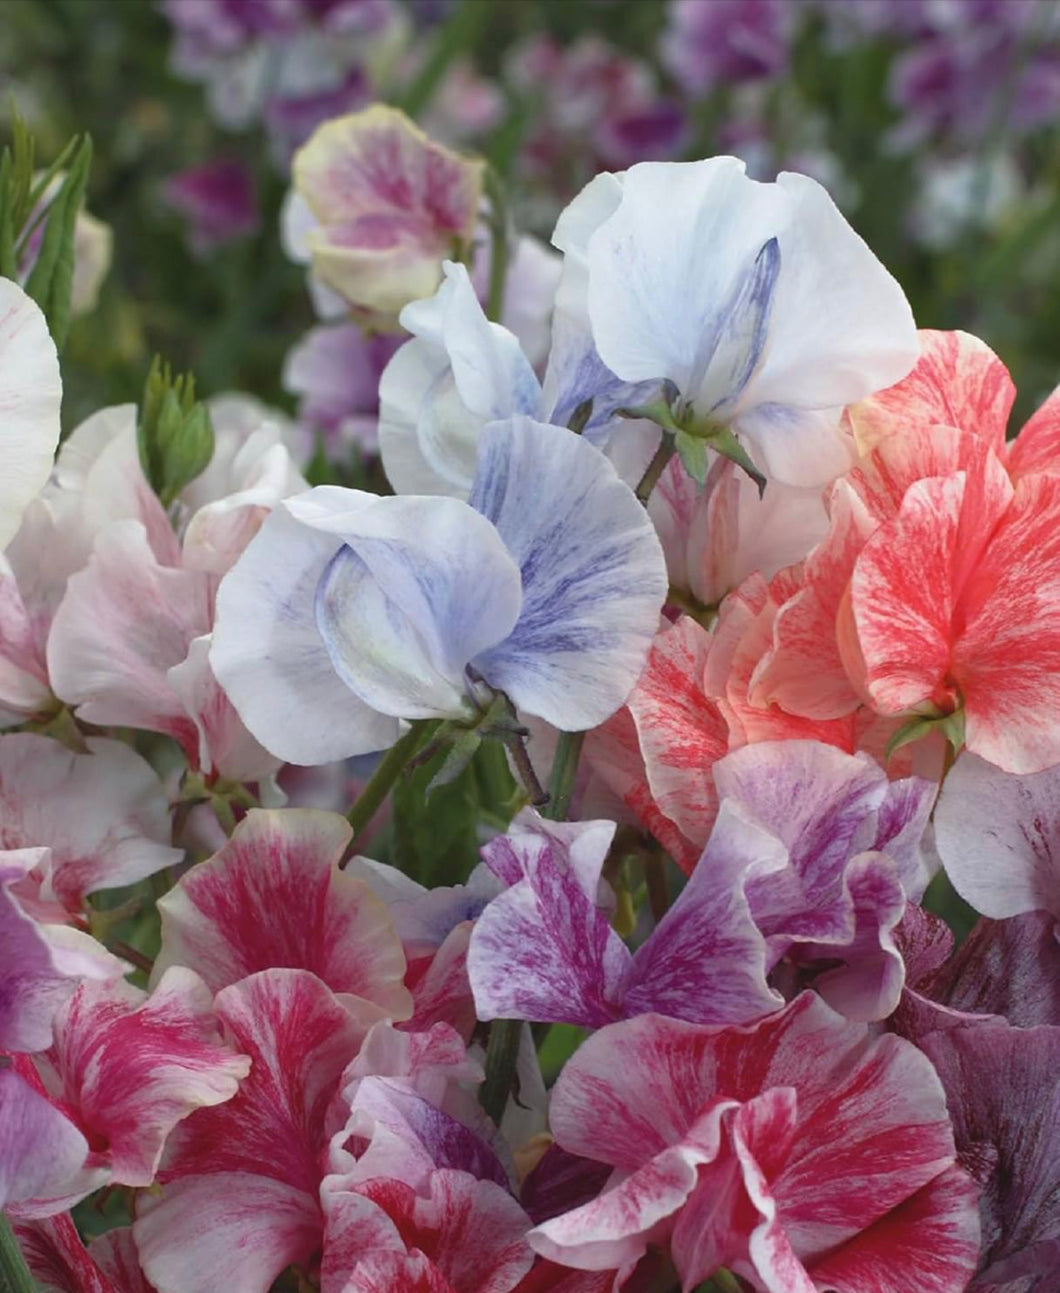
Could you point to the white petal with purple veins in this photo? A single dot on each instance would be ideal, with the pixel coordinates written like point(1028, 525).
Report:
point(593, 573)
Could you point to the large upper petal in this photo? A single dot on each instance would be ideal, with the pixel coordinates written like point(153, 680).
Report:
point(958, 381)
point(593, 573)
point(1006, 654)
point(465, 372)
point(268, 655)
point(274, 896)
point(30, 395)
point(998, 835)
point(911, 577)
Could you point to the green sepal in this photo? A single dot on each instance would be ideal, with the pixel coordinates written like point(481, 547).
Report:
point(658, 412)
point(461, 749)
point(723, 442)
point(950, 725)
point(174, 435)
point(692, 450)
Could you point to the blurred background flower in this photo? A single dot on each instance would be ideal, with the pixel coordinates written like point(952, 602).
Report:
point(935, 123)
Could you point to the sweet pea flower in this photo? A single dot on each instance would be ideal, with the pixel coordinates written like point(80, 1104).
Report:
point(144, 663)
point(757, 301)
point(97, 820)
point(800, 1153)
point(273, 895)
point(390, 204)
point(809, 862)
point(41, 963)
point(349, 612)
point(30, 395)
point(124, 1068)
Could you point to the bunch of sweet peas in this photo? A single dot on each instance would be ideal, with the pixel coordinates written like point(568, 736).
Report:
point(749, 575)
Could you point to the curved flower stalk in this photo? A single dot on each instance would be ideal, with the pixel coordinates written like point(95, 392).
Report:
point(349, 612)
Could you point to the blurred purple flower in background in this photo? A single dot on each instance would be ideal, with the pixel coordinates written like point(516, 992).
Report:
point(335, 372)
point(218, 200)
point(727, 40)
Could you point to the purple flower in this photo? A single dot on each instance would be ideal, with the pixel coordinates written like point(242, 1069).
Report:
point(726, 40)
point(218, 200)
point(335, 373)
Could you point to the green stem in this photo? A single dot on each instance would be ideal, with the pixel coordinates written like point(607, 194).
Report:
point(15, 1276)
point(390, 767)
point(501, 1056)
point(499, 245)
point(525, 769)
point(655, 468)
point(564, 771)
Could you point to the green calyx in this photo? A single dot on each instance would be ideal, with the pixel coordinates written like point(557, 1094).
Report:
point(175, 435)
point(693, 437)
point(950, 725)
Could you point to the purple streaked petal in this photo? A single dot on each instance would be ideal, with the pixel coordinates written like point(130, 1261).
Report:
point(593, 573)
point(706, 959)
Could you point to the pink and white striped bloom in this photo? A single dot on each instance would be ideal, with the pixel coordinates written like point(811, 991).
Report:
point(800, 1153)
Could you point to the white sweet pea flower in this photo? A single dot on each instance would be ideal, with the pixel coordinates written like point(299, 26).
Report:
point(761, 305)
point(349, 612)
point(30, 397)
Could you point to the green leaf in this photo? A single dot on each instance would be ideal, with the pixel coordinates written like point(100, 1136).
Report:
point(435, 839)
point(50, 282)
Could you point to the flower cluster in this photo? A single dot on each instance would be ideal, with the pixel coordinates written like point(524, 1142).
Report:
point(695, 551)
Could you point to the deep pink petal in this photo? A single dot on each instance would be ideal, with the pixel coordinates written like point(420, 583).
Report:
point(958, 381)
point(274, 896)
point(129, 1067)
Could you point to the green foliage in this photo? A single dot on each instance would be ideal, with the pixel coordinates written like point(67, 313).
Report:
point(174, 433)
point(25, 207)
point(51, 281)
point(436, 837)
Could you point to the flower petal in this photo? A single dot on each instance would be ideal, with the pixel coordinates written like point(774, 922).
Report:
point(274, 896)
point(30, 395)
point(593, 573)
point(269, 657)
